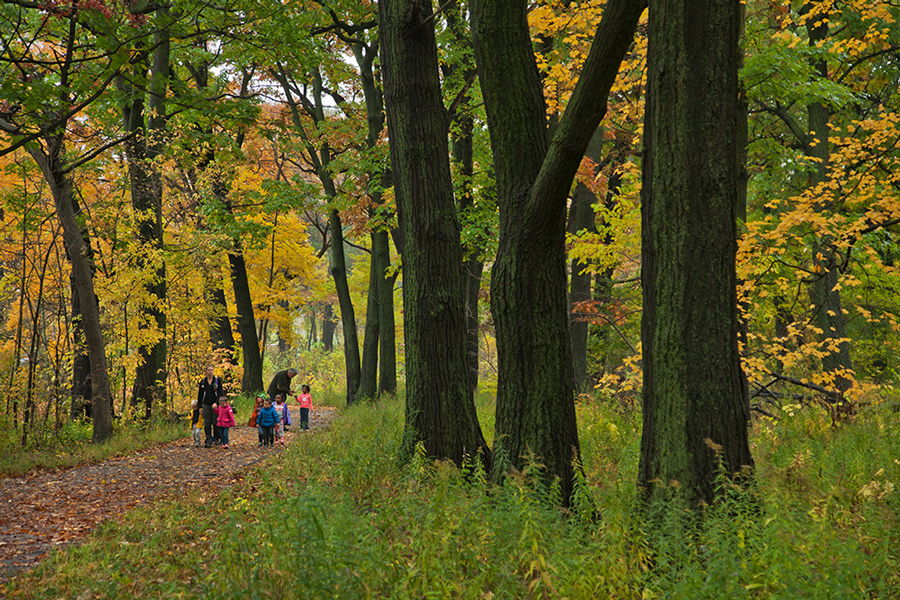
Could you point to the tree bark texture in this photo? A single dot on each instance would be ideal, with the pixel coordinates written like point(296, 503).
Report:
point(695, 409)
point(535, 396)
point(387, 363)
point(440, 411)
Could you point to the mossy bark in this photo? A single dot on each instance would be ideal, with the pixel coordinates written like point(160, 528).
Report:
point(535, 396)
point(695, 408)
point(440, 412)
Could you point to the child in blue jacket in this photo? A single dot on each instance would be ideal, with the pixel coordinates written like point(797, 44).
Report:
point(266, 421)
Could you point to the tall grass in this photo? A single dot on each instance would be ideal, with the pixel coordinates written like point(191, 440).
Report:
point(337, 517)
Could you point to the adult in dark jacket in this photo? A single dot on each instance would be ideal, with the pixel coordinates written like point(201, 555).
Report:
point(281, 384)
point(208, 394)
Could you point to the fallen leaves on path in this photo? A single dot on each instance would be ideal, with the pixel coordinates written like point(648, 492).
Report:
point(44, 510)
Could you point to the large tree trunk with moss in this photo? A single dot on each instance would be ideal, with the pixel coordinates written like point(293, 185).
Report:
point(440, 411)
point(695, 409)
point(535, 395)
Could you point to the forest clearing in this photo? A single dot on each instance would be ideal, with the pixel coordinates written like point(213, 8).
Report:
point(603, 293)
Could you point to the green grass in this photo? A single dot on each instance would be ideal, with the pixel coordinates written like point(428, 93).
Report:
point(337, 517)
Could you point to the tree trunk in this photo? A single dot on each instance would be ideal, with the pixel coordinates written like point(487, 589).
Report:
point(581, 218)
point(380, 305)
point(368, 382)
point(313, 334)
point(824, 291)
point(81, 362)
point(221, 338)
point(338, 271)
point(320, 158)
point(535, 394)
point(52, 163)
point(252, 381)
point(387, 365)
point(329, 326)
point(462, 145)
point(440, 411)
point(146, 199)
point(695, 410)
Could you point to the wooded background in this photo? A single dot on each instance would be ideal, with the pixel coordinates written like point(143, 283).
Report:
point(460, 188)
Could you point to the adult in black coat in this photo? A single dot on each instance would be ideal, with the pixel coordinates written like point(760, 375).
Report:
point(208, 394)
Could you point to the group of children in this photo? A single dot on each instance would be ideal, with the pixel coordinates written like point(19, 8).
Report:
point(269, 418)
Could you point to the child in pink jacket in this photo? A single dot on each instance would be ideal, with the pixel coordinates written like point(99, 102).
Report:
point(225, 419)
point(305, 402)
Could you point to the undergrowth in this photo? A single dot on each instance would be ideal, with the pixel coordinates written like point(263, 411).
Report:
point(71, 445)
point(335, 516)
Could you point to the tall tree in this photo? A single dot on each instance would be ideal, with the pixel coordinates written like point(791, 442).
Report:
point(459, 72)
point(695, 408)
point(251, 380)
point(57, 69)
point(535, 394)
point(309, 101)
point(377, 375)
point(145, 85)
point(440, 411)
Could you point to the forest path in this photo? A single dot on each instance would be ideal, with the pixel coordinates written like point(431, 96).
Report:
point(50, 509)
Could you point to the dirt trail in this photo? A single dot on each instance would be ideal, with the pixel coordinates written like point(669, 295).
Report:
point(45, 510)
